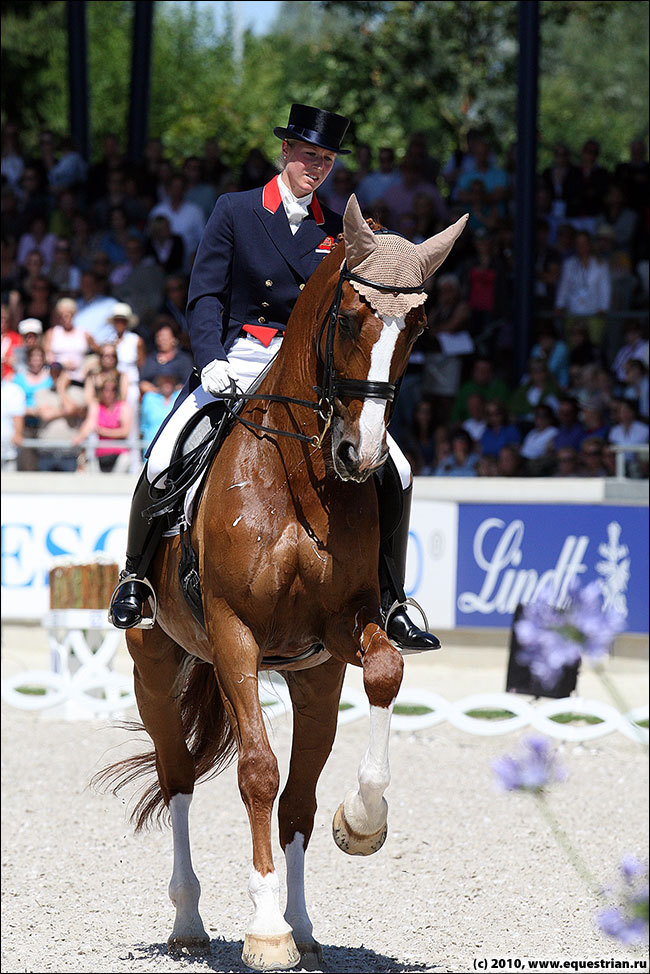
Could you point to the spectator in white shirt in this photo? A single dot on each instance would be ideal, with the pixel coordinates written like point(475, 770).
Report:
point(630, 431)
point(475, 424)
point(94, 309)
point(14, 405)
point(185, 219)
point(537, 447)
point(585, 288)
point(634, 347)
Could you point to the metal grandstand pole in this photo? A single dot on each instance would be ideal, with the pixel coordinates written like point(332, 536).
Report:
point(524, 265)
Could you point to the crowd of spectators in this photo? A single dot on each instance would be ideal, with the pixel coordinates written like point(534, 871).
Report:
point(95, 270)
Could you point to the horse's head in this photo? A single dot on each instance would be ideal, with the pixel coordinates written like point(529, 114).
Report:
point(375, 318)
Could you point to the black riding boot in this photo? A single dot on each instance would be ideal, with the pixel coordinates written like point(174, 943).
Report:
point(394, 533)
point(133, 592)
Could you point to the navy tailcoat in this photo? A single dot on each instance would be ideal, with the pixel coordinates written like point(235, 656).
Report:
point(250, 268)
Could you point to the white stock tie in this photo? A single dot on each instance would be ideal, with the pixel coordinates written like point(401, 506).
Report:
point(296, 213)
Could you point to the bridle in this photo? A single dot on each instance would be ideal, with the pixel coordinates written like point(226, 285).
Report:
point(333, 386)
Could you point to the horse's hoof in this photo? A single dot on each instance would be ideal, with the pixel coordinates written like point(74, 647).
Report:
point(311, 955)
point(352, 842)
point(270, 953)
point(188, 945)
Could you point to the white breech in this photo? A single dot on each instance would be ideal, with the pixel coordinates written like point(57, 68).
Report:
point(247, 358)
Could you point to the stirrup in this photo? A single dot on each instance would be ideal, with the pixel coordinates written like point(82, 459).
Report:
point(147, 622)
point(401, 604)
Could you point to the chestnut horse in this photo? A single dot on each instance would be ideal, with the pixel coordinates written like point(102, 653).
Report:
point(287, 539)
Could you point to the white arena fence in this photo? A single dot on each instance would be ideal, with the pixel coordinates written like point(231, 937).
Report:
point(82, 686)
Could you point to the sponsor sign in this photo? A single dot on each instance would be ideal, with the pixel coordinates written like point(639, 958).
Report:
point(38, 528)
point(506, 552)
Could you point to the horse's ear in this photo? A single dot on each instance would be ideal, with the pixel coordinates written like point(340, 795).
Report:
point(434, 251)
point(359, 239)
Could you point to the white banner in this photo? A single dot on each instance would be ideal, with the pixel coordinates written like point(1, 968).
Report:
point(37, 528)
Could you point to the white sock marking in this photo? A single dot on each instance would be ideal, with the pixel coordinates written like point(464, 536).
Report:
point(264, 891)
point(366, 808)
point(371, 421)
point(296, 911)
point(184, 887)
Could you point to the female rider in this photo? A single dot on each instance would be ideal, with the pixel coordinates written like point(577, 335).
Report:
point(258, 249)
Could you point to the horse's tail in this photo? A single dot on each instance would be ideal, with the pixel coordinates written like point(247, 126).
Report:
point(208, 736)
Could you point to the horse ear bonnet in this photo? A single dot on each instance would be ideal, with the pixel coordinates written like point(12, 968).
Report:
point(388, 258)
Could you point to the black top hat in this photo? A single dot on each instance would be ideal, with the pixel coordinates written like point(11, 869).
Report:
point(321, 128)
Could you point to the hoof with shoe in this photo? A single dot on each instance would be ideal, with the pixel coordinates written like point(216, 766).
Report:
point(311, 955)
point(270, 953)
point(352, 842)
point(188, 945)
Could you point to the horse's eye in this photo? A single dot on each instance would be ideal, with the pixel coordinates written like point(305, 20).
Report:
point(349, 323)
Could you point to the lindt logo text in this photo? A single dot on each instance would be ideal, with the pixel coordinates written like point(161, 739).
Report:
point(506, 584)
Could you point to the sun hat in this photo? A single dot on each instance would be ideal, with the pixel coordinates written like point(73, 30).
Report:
point(121, 310)
point(316, 126)
point(30, 326)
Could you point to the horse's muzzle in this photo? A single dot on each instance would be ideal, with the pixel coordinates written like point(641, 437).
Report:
point(349, 466)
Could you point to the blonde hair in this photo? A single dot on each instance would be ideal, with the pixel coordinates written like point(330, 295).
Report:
point(66, 304)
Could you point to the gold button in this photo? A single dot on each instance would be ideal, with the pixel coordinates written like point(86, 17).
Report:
point(269, 283)
point(262, 321)
point(301, 286)
point(265, 304)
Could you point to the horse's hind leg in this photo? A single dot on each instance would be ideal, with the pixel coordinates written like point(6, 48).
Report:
point(157, 662)
point(315, 695)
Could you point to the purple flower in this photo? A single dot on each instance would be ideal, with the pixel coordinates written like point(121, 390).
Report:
point(627, 921)
point(631, 868)
point(535, 768)
point(629, 930)
point(552, 638)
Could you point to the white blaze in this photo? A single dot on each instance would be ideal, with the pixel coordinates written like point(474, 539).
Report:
point(371, 421)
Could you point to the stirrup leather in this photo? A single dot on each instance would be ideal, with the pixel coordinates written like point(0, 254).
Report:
point(147, 622)
point(401, 604)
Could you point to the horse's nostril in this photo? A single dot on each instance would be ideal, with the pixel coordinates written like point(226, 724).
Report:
point(347, 454)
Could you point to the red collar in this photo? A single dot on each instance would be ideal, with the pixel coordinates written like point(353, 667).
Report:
point(272, 198)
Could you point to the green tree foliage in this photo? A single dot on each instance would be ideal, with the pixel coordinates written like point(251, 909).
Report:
point(594, 79)
point(394, 67)
point(34, 92)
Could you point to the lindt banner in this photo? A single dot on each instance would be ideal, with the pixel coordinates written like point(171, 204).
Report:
point(506, 552)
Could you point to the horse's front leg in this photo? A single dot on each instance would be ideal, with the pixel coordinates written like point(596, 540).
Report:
point(315, 695)
point(269, 943)
point(360, 823)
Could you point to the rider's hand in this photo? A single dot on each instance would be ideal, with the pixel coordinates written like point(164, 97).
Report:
point(216, 376)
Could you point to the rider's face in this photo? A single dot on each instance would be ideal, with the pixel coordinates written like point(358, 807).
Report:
point(306, 166)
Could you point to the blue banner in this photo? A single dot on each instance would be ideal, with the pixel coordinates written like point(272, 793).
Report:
point(506, 551)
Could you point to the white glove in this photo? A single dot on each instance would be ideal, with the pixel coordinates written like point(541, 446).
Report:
point(216, 376)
